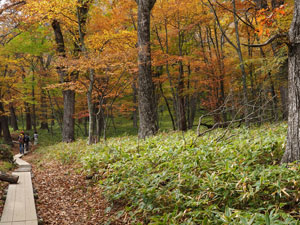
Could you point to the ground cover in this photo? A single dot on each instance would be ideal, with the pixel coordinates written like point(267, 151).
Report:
point(6, 164)
point(174, 178)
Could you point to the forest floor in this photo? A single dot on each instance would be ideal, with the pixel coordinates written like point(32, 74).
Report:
point(170, 178)
point(3, 186)
point(65, 196)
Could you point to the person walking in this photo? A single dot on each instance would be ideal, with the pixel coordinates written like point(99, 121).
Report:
point(26, 143)
point(21, 142)
point(35, 138)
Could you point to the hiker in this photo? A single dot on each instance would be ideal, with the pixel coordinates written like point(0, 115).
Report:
point(26, 142)
point(21, 142)
point(35, 138)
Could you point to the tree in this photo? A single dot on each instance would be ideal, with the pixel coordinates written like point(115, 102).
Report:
point(4, 126)
point(147, 114)
point(292, 151)
point(68, 95)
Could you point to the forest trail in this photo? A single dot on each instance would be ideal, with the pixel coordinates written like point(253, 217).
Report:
point(19, 206)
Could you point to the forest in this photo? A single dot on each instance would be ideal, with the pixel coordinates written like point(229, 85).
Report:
point(154, 111)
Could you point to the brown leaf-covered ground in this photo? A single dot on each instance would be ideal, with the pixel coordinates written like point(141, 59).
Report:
point(3, 186)
point(66, 197)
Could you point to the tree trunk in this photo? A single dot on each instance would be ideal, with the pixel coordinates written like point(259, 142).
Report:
point(181, 101)
point(4, 126)
point(261, 4)
point(284, 101)
point(193, 105)
point(146, 96)
point(276, 3)
point(33, 105)
point(82, 11)
point(68, 120)
point(54, 115)
point(242, 63)
point(292, 151)
point(86, 120)
point(12, 179)
point(68, 95)
point(91, 107)
point(13, 117)
point(1, 130)
point(135, 108)
point(168, 105)
point(28, 117)
point(44, 116)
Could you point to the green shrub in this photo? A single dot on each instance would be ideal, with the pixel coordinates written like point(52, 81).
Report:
point(171, 179)
point(5, 153)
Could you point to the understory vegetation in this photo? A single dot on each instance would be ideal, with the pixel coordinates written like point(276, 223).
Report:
point(176, 178)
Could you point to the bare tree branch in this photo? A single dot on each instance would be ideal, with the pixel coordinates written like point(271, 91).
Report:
point(240, 18)
point(219, 24)
point(273, 38)
point(152, 3)
point(6, 7)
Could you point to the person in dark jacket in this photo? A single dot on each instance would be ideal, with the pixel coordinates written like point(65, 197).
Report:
point(26, 142)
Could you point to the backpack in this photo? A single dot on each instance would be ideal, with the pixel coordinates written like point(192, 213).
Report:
point(26, 139)
point(20, 138)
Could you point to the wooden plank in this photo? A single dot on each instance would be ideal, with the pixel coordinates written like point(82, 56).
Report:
point(19, 210)
point(23, 169)
point(7, 215)
point(5, 223)
point(19, 223)
point(29, 199)
point(19, 207)
point(21, 162)
point(34, 222)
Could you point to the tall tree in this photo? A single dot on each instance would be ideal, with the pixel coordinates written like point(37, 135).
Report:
point(146, 96)
point(4, 126)
point(292, 151)
point(14, 122)
point(82, 11)
point(68, 95)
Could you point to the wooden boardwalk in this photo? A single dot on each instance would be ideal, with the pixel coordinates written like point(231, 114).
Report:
point(19, 208)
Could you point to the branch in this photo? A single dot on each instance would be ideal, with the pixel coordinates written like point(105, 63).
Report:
point(152, 3)
point(6, 7)
point(246, 23)
point(219, 24)
point(273, 38)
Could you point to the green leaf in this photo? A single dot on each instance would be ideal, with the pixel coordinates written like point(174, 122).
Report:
point(267, 219)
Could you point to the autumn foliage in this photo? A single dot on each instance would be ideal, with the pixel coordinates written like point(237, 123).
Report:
point(195, 62)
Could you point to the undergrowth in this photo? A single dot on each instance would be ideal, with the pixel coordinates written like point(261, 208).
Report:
point(176, 179)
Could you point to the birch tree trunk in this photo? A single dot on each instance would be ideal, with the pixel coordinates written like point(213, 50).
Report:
point(147, 125)
point(292, 151)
